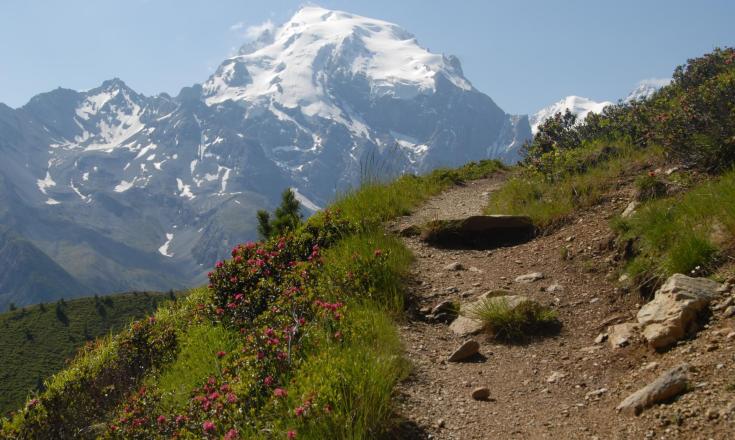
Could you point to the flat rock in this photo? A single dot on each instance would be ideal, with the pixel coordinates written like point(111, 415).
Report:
point(529, 277)
point(672, 313)
point(479, 231)
point(630, 209)
point(468, 349)
point(443, 307)
point(481, 393)
point(620, 335)
point(667, 386)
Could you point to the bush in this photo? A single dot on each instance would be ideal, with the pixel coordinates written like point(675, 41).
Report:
point(649, 187)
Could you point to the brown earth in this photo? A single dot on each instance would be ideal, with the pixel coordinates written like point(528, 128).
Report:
point(591, 379)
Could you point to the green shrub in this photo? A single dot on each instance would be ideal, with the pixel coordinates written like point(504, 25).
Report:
point(649, 187)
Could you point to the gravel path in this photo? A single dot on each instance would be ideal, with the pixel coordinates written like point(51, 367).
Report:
point(525, 402)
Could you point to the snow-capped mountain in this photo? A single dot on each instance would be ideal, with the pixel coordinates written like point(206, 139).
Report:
point(576, 104)
point(646, 89)
point(125, 191)
point(583, 106)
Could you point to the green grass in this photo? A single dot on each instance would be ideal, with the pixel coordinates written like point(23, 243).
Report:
point(550, 203)
point(680, 233)
point(357, 376)
point(196, 361)
point(515, 323)
point(376, 202)
point(35, 343)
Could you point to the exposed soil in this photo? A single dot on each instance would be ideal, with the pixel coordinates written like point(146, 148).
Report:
point(435, 400)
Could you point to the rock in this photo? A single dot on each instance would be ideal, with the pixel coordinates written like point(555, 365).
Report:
point(481, 393)
point(480, 231)
point(730, 336)
point(464, 326)
point(596, 394)
point(674, 308)
point(668, 385)
point(650, 366)
point(554, 288)
point(425, 310)
point(621, 335)
point(468, 349)
point(729, 311)
point(630, 209)
point(529, 277)
point(555, 377)
point(475, 270)
point(602, 337)
point(455, 266)
point(443, 307)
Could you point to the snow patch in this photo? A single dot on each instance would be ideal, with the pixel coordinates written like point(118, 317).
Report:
point(124, 186)
point(184, 189)
point(46, 182)
point(308, 204)
point(163, 250)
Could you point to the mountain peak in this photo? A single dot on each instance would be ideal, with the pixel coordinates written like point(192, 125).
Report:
point(293, 64)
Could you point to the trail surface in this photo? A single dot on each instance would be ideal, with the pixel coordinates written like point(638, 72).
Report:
point(564, 386)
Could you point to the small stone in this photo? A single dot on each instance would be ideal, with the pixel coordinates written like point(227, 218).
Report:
point(668, 385)
point(425, 310)
point(441, 423)
point(443, 307)
point(455, 266)
point(650, 366)
point(481, 393)
point(554, 288)
point(730, 336)
point(730, 311)
point(529, 277)
point(621, 335)
point(596, 394)
point(555, 377)
point(475, 270)
point(468, 349)
point(712, 414)
point(602, 337)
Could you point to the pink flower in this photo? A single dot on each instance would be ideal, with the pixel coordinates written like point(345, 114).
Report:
point(32, 403)
point(232, 434)
point(261, 355)
point(378, 252)
point(299, 411)
point(268, 381)
point(291, 434)
point(219, 264)
point(221, 354)
point(208, 427)
point(161, 419)
point(231, 398)
point(151, 319)
point(180, 419)
point(280, 392)
point(213, 396)
point(231, 306)
point(219, 310)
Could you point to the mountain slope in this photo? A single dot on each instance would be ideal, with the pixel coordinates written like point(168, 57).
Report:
point(126, 191)
point(576, 104)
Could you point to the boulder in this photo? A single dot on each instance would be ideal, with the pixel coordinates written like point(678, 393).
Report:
point(667, 386)
point(468, 349)
point(479, 231)
point(621, 335)
point(673, 311)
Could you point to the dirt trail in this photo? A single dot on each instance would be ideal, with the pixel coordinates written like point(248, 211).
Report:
point(525, 401)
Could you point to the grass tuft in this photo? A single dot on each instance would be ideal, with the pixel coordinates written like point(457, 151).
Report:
point(515, 323)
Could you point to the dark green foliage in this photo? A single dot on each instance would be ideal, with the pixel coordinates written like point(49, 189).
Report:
point(287, 217)
point(693, 118)
point(53, 343)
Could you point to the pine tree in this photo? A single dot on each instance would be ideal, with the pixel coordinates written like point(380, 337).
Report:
point(287, 217)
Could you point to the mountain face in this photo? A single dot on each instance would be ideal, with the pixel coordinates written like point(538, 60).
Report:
point(583, 106)
point(132, 192)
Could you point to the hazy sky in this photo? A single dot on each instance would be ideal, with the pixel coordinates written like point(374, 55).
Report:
point(523, 54)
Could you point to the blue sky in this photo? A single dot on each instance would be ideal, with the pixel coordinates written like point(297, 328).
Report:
point(523, 54)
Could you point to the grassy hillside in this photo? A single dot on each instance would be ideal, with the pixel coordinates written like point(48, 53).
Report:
point(37, 341)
